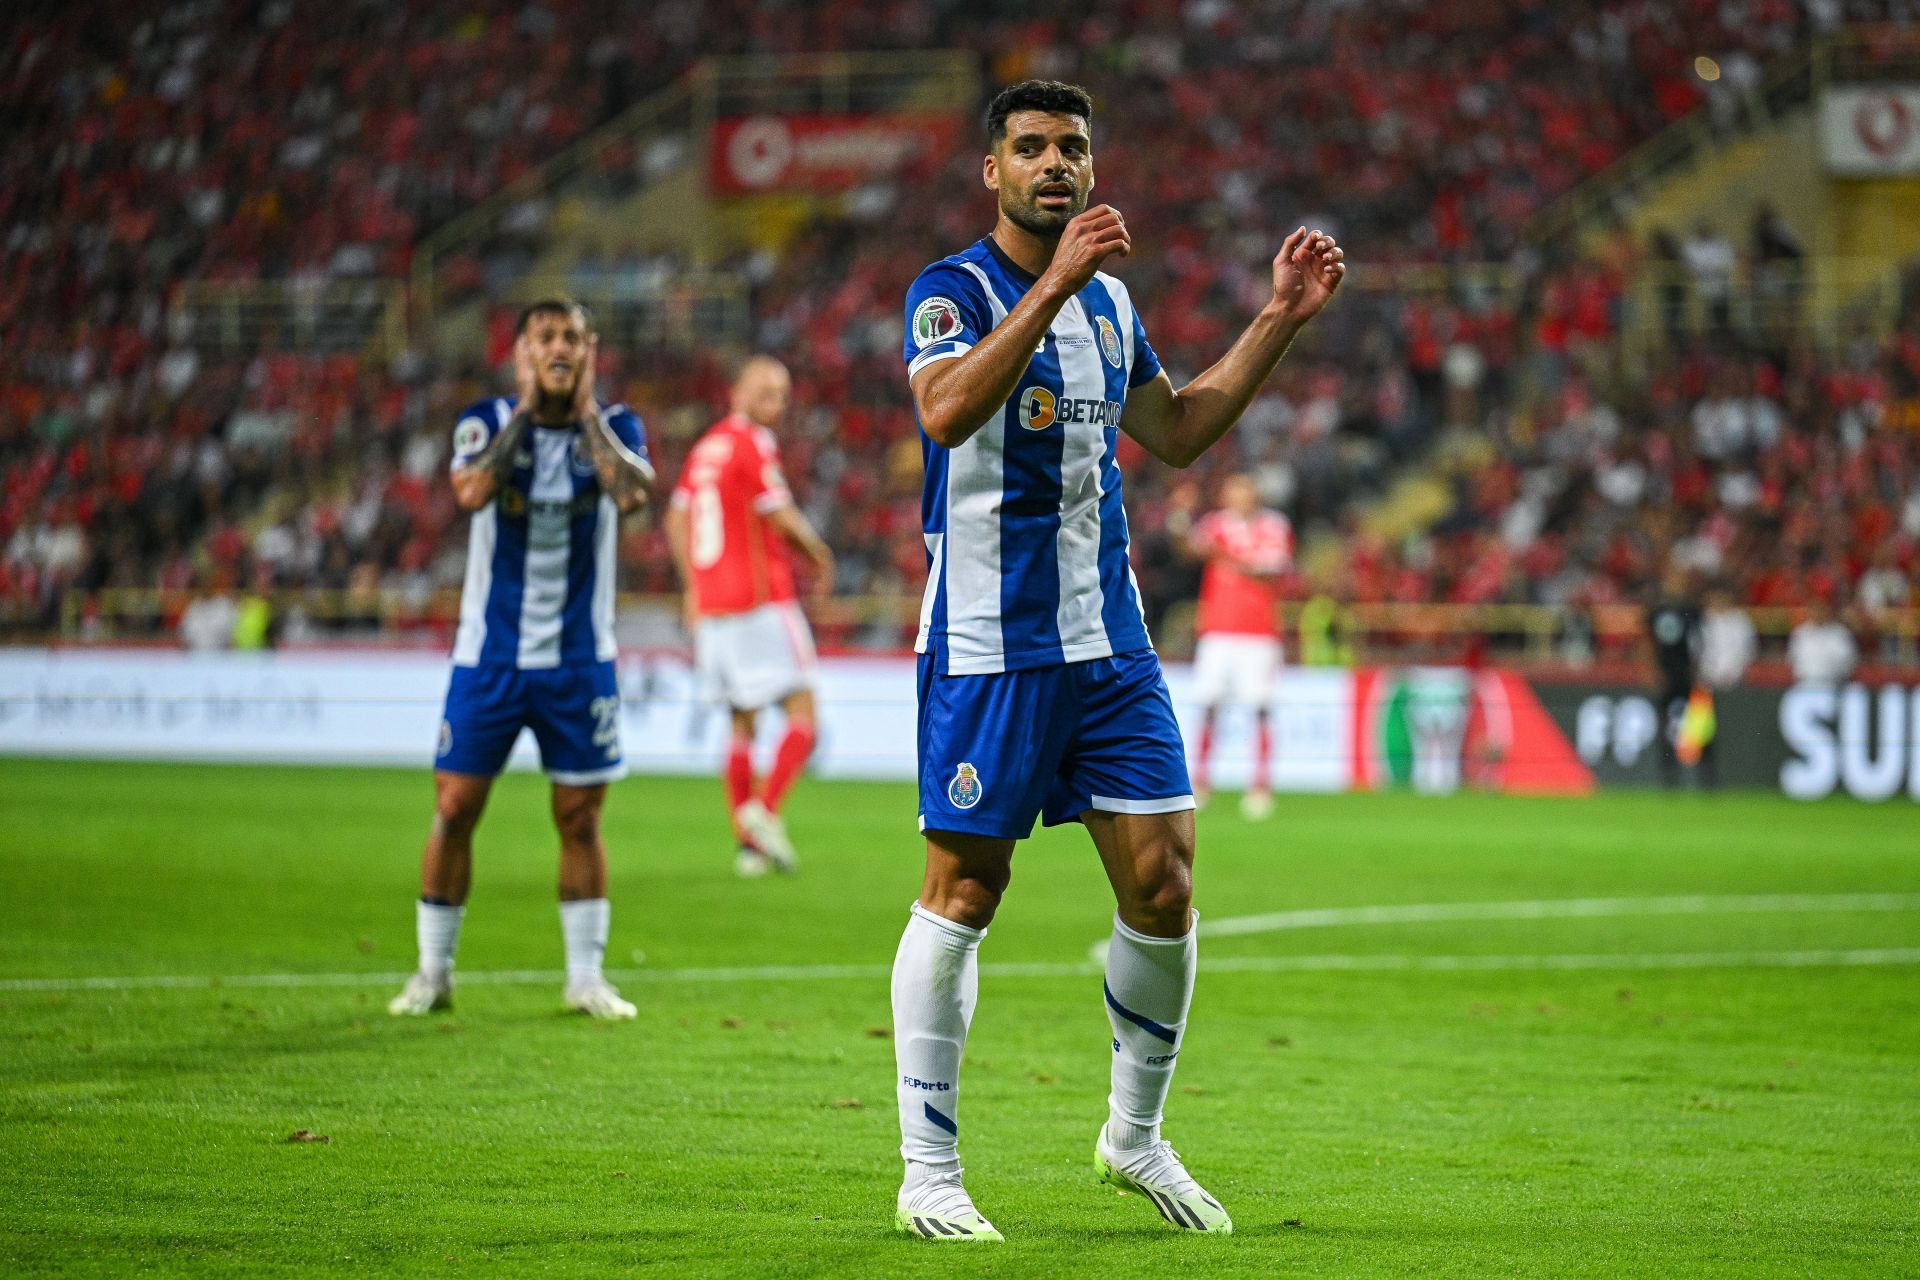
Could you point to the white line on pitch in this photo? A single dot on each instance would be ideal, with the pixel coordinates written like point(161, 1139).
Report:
point(1561, 909)
point(1547, 909)
point(878, 972)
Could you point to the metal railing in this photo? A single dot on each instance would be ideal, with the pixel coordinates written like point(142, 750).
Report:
point(315, 315)
point(686, 311)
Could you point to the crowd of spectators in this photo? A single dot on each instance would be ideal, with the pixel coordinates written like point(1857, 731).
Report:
point(274, 139)
point(1787, 478)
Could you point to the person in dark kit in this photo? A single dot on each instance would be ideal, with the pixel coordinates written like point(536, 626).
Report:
point(1673, 624)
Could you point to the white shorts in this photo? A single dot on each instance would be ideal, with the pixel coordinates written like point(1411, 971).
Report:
point(749, 660)
point(1236, 670)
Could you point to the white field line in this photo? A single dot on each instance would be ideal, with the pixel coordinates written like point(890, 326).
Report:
point(1276, 922)
point(1561, 909)
point(1085, 969)
point(1546, 909)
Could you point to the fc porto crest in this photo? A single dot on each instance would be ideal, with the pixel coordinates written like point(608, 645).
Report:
point(965, 790)
point(1109, 341)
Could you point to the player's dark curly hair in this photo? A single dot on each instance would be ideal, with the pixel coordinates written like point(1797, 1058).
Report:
point(1036, 95)
point(553, 307)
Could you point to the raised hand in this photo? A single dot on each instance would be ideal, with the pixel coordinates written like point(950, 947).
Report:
point(584, 407)
point(526, 378)
point(1306, 271)
point(1085, 243)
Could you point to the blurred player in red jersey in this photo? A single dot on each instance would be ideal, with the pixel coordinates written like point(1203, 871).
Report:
point(1237, 658)
point(731, 519)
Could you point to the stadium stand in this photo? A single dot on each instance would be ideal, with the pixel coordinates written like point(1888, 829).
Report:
point(1561, 463)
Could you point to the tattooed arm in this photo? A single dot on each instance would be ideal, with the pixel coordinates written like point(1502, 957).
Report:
point(625, 476)
point(476, 482)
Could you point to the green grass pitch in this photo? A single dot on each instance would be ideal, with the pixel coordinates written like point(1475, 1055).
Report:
point(1362, 1108)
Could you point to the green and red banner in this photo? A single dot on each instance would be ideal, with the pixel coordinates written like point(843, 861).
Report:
point(1439, 729)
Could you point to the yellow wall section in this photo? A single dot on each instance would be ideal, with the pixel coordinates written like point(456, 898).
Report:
point(1877, 218)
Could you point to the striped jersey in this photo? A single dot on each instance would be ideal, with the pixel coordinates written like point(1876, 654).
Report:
point(1025, 529)
point(540, 556)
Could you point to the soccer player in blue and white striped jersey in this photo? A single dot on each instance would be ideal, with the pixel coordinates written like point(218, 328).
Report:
point(547, 476)
point(1040, 694)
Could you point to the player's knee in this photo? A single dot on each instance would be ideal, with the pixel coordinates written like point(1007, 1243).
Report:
point(1166, 903)
point(972, 901)
point(1165, 889)
point(971, 895)
point(577, 819)
point(457, 812)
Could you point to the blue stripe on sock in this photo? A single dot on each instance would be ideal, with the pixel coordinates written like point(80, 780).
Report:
point(1147, 1025)
point(944, 1121)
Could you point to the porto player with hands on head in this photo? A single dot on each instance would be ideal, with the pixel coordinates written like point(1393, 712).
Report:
point(1237, 656)
point(547, 476)
point(1039, 692)
point(728, 526)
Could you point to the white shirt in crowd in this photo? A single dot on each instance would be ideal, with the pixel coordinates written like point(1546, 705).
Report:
point(207, 624)
point(1883, 588)
point(1821, 651)
point(1726, 647)
point(1710, 259)
point(1726, 425)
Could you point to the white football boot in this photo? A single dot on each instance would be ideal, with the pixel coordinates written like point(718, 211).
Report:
point(597, 998)
point(1256, 805)
point(938, 1208)
point(1156, 1172)
point(767, 833)
point(422, 995)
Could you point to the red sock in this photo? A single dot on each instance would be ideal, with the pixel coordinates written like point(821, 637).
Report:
point(1206, 752)
point(787, 763)
point(1262, 754)
point(739, 772)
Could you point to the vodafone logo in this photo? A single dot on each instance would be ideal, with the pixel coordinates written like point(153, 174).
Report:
point(1883, 124)
point(760, 151)
point(1870, 131)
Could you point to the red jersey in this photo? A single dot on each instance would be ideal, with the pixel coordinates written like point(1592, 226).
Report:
point(1241, 584)
point(731, 481)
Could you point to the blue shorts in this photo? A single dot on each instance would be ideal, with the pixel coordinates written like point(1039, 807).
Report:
point(574, 712)
point(996, 751)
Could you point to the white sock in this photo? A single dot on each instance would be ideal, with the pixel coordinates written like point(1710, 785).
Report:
point(1149, 988)
point(436, 926)
point(583, 924)
point(936, 982)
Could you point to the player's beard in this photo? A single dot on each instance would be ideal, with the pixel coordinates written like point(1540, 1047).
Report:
point(550, 404)
point(1023, 210)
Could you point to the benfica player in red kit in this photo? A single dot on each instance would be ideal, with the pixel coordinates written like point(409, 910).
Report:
point(1237, 657)
point(731, 520)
